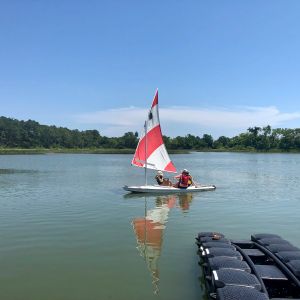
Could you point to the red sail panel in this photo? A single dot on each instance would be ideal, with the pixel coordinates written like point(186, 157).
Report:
point(170, 167)
point(154, 140)
point(155, 100)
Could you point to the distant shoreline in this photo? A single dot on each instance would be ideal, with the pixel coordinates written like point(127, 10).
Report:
point(16, 151)
point(30, 137)
point(42, 151)
point(20, 151)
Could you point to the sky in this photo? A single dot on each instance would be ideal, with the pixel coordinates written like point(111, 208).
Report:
point(220, 66)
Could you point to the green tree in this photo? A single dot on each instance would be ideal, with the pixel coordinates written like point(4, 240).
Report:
point(129, 140)
point(208, 140)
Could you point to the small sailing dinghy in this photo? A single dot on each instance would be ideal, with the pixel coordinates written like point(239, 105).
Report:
point(151, 153)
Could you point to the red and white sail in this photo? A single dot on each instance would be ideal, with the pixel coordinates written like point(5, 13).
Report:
point(151, 152)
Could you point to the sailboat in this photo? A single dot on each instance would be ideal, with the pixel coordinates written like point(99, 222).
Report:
point(151, 153)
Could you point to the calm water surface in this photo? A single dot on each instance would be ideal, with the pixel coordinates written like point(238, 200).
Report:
point(68, 230)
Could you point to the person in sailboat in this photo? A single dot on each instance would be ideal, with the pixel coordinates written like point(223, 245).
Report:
point(184, 180)
point(161, 180)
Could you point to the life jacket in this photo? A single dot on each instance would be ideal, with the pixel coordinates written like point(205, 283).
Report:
point(184, 180)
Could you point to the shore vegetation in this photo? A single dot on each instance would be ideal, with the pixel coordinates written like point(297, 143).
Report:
point(30, 137)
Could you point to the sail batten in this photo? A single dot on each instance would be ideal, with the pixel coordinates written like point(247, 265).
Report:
point(151, 152)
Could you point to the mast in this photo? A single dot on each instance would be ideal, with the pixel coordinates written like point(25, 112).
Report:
point(146, 124)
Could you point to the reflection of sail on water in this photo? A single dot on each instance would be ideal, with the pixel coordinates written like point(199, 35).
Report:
point(149, 233)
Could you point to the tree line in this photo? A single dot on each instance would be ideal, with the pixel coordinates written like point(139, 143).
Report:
point(31, 134)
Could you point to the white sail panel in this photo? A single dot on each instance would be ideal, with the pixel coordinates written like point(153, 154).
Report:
point(159, 160)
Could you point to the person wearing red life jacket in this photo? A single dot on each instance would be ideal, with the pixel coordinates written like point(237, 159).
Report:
point(184, 179)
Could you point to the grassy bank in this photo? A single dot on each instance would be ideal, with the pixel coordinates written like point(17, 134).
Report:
point(64, 150)
point(19, 151)
point(16, 151)
point(248, 150)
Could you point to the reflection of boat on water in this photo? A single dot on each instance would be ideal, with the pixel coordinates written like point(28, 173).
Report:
point(184, 200)
point(149, 230)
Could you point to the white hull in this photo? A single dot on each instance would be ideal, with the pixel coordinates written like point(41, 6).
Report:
point(167, 189)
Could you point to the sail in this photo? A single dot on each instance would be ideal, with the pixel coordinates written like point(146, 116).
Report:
point(151, 151)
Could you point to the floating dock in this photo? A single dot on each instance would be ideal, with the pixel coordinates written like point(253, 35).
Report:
point(265, 267)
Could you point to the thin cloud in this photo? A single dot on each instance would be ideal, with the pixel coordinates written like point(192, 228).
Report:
point(129, 116)
point(184, 120)
point(241, 117)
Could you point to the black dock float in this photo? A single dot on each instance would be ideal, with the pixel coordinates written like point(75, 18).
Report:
point(265, 267)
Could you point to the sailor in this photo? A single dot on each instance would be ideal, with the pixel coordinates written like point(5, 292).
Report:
point(184, 179)
point(161, 180)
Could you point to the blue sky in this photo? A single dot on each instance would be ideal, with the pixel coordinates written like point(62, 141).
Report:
point(220, 66)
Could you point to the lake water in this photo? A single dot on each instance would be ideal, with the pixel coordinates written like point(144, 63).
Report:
point(68, 230)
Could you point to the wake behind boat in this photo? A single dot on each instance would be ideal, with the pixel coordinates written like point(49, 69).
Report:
point(151, 153)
